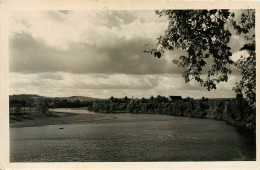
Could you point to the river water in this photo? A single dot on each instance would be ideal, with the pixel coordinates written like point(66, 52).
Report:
point(132, 137)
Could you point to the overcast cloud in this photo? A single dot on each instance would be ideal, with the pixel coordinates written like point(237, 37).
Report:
point(98, 54)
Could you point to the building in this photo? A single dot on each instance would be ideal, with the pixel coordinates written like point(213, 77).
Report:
point(175, 98)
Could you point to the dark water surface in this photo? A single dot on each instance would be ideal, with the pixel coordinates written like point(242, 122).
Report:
point(131, 137)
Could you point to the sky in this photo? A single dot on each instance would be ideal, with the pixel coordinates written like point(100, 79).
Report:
point(98, 54)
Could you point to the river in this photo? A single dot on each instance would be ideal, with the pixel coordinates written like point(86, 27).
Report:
point(132, 137)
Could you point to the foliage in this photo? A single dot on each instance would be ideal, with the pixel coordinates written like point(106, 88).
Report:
point(17, 108)
point(42, 105)
point(247, 64)
point(204, 35)
point(232, 110)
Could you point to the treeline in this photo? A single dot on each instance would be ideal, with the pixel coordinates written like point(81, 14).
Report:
point(153, 105)
point(65, 103)
point(18, 103)
point(235, 111)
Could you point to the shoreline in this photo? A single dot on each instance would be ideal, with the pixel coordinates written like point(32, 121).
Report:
point(228, 121)
point(52, 118)
point(60, 118)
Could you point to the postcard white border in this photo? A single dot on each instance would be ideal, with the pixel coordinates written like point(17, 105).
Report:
point(7, 6)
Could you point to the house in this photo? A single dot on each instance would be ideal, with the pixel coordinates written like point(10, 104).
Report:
point(175, 98)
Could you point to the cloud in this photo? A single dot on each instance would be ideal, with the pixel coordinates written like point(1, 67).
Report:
point(97, 54)
point(118, 85)
point(91, 42)
point(85, 42)
point(50, 76)
point(235, 43)
point(236, 56)
point(29, 55)
point(60, 29)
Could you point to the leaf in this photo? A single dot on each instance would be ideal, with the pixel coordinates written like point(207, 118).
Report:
point(157, 54)
point(205, 33)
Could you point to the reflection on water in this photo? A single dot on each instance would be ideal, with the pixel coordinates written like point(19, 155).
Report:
point(133, 137)
point(71, 110)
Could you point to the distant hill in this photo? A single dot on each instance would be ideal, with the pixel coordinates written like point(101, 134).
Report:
point(24, 96)
point(80, 98)
point(216, 99)
point(35, 96)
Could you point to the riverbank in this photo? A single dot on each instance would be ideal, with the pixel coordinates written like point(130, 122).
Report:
point(31, 119)
point(236, 112)
point(241, 125)
point(77, 115)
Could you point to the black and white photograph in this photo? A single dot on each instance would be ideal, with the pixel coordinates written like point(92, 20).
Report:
point(167, 85)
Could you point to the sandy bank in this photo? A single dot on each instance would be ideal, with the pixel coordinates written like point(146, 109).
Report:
point(53, 118)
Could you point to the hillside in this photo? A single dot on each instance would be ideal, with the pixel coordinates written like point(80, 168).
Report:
point(81, 98)
point(28, 97)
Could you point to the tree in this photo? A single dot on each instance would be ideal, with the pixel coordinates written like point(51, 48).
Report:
point(204, 36)
point(126, 99)
point(247, 64)
point(17, 108)
point(42, 105)
point(112, 98)
point(143, 100)
point(205, 99)
point(151, 99)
